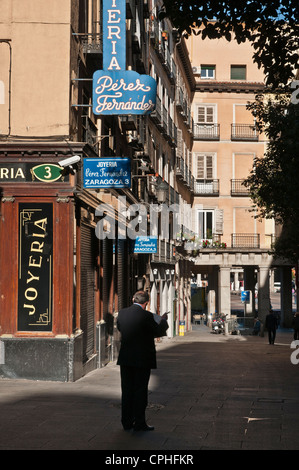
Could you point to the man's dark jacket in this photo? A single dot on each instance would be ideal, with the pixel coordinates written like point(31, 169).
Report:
point(271, 322)
point(138, 330)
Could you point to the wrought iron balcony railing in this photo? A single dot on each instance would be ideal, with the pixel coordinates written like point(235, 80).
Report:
point(92, 43)
point(206, 131)
point(238, 188)
point(245, 240)
point(244, 132)
point(206, 187)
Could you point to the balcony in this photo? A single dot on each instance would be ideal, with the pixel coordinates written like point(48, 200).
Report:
point(165, 120)
point(244, 132)
point(89, 133)
point(245, 240)
point(180, 164)
point(165, 253)
point(206, 187)
point(184, 174)
point(91, 43)
point(179, 98)
point(206, 131)
point(172, 132)
point(174, 135)
point(169, 65)
point(238, 189)
point(156, 115)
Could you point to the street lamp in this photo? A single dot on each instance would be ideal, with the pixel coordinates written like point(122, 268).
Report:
point(161, 191)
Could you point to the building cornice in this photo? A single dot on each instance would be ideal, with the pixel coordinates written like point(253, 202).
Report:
point(229, 87)
point(184, 57)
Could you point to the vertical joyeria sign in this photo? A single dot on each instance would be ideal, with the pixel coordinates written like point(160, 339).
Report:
point(115, 89)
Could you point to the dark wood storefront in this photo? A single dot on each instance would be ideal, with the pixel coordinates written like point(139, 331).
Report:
point(36, 262)
point(60, 286)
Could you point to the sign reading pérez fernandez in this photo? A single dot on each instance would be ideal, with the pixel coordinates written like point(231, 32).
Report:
point(115, 89)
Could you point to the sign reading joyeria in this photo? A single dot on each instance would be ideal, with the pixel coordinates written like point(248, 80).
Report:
point(116, 90)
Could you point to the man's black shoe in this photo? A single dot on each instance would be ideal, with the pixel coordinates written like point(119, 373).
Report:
point(144, 427)
point(127, 427)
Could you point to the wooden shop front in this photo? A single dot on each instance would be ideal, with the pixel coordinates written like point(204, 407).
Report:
point(37, 323)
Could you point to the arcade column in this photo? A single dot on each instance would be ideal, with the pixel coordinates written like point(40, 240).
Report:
point(263, 294)
point(286, 296)
point(224, 291)
point(249, 285)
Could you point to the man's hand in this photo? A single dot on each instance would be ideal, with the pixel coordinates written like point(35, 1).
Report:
point(165, 315)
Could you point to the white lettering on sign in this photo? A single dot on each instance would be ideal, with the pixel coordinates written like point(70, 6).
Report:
point(111, 16)
point(109, 95)
point(115, 89)
point(11, 173)
point(106, 83)
point(114, 35)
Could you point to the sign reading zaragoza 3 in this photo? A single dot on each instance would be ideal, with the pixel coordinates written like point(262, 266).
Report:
point(115, 89)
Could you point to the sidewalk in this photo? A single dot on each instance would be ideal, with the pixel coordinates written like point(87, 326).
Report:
point(209, 392)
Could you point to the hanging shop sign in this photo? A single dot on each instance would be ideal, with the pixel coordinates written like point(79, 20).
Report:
point(107, 172)
point(145, 244)
point(25, 172)
point(35, 267)
point(115, 89)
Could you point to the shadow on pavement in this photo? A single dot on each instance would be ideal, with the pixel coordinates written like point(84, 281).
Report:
point(209, 392)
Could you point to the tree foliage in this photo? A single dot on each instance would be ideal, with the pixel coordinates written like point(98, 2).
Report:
point(273, 181)
point(272, 27)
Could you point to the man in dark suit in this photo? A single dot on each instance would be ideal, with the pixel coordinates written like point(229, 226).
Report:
point(137, 356)
point(271, 325)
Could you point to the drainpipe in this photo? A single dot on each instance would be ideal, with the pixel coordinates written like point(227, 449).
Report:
point(7, 41)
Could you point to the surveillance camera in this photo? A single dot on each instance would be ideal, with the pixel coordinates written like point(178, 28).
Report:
point(69, 161)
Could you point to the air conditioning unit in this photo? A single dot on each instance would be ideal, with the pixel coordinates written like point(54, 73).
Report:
point(196, 70)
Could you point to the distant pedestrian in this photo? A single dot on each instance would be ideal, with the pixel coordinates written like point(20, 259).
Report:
point(137, 356)
point(256, 327)
point(271, 325)
point(295, 325)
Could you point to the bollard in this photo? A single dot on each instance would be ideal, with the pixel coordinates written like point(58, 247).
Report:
point(181, 328)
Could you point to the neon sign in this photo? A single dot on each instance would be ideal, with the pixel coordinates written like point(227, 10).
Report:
point(115, 89)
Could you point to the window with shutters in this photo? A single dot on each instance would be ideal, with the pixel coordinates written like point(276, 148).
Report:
point(206, 114)
point(210, 224)
point(206, 126)
point(205, 224)
point(238, 72)
point(205, 166)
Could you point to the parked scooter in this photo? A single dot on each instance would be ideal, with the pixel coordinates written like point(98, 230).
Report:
point(218, 325)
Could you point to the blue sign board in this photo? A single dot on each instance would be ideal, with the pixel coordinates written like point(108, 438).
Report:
point(106, 172)
point(245, 296)
point(115, 89)
point(123, 92)
point(145, 244)
point(114, 34)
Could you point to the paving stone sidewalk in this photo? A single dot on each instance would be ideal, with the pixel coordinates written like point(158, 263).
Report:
point(210, 392)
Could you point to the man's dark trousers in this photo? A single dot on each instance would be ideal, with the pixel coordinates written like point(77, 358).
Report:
point(271, 335)
point(134, 383)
